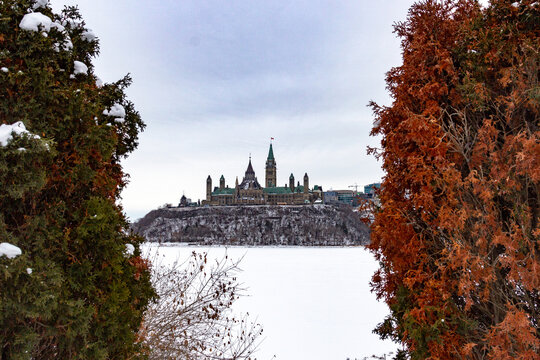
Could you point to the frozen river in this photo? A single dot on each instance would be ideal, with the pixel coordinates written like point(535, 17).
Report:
point(313, 303)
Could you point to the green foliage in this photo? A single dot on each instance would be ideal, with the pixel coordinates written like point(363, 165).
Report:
point(74, 293)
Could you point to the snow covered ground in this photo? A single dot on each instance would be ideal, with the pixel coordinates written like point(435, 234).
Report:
point(313, 303)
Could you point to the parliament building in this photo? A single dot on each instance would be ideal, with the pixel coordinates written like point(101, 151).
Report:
point(250, 192)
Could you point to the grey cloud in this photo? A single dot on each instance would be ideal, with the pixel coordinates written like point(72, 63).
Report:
point(215, 79)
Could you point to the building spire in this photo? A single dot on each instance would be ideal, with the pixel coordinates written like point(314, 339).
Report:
point(249, 172)
point(270, 153)
point(271, 176)
point(250, 180)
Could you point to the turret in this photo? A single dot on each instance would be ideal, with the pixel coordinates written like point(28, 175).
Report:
point(291, 182)
point(222, 182)
point(209, 188)
point(183, 201)
point(306, 184)
point(271, 175)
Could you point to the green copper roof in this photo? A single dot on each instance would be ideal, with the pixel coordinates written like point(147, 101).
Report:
point(291, 177)
point(299, 189)
point(226, 191)
point(270, 153)
point(277, 190)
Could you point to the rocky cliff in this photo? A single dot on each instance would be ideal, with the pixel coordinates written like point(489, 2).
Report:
point(255, 225)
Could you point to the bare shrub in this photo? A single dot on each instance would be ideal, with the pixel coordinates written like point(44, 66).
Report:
point(192, 318)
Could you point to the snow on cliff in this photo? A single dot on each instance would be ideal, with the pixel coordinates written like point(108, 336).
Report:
point(255, 225)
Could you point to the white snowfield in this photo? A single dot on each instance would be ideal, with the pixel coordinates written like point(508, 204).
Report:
point(7, 132)
point(35, 20)
point(314, 303)
point(9, 250)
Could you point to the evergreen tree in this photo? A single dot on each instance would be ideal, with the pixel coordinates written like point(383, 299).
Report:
point(79, 288)
point(457, 231)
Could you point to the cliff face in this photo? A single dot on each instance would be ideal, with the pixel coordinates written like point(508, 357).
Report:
point(255, 225)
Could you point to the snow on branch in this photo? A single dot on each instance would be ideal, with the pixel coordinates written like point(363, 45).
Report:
point(9, 250)
point(7, 132)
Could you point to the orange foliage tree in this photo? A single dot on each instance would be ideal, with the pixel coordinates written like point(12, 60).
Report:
point(456, 233)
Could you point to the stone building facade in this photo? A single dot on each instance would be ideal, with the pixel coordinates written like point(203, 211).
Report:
point(250, 192)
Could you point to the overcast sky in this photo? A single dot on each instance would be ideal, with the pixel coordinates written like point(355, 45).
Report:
point(214, 80)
